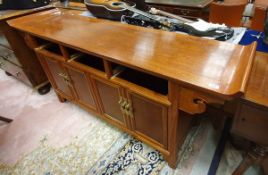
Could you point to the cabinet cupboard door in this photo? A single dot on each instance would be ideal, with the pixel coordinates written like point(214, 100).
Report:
point(109, 95)
point(56, 73)
point(82, 87)
point(149, 118)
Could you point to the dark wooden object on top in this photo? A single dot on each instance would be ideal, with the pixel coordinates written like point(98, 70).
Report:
point(5, 119)
point(252, 115)
point(190, 9)
point(258, 19)
point(218, 13)
point(147, 83)
point(15, 56)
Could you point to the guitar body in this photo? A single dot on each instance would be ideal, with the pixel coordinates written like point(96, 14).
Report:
point(109, 9)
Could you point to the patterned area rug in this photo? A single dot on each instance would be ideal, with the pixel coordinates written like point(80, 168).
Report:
point(131, 157)
point(134, 158)
point(93, 148)
point(75, 158)
point(105, 150)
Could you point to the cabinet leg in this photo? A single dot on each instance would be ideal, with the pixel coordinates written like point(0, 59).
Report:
point(8, 74)
point(5, 119)
point(44, 89)
point(254, 157)
point(61, 99)
point(173, 119)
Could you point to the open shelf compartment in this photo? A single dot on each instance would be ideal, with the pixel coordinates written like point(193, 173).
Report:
point(88, 60)
point(142, 79)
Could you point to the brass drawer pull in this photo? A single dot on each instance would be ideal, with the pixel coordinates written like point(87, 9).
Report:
point(122, 102)
point(129, 110)
point(63, 75)
point(65, 78)
point(125, 106)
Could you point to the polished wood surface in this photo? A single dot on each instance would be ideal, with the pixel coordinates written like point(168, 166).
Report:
point(257, 89)
point(217, 67)
point(252, 115)
point(6, 14)
point(139, 76)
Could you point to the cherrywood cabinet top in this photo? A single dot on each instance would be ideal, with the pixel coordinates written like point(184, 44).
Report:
point(257, 90)
point(7, 14)
point(216, 67)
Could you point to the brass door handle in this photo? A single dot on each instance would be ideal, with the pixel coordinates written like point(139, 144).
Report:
point(63, 75)
point(125, 106)
point(65, 78)
point(128, 109)
point(122, 103)
point(67, 81)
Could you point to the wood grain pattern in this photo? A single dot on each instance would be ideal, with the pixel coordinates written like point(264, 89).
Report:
point(6, 14)
point(257, 89)
point(216, 67)
point(194, 102)
point(144, 60)
point(30, 66)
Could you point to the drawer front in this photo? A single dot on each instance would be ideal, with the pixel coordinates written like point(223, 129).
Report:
point(15, 70)
point(195, 102)
point(252, 123)
point(9, 55)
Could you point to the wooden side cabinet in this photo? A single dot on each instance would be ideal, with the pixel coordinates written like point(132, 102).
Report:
point(16, 58)
point(131, 100)
point(134, 101)
point(251, 116)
